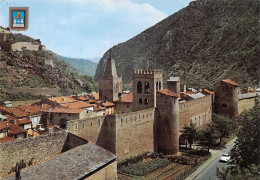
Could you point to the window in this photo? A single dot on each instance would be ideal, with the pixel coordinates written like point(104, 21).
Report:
point(69, 114)
point(146, 88)
point(127, 105)
point(140, 101)
point(139, 88)
point(122, 120)
point(224, 105)
point(99, 122)
point(160, 85)
point(139, 116)
point(76, 126)
point(60, 114)
point(157, 85)
point(146, 101)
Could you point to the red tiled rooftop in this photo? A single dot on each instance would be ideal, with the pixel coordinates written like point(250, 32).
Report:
point(6, 139)
point(208, 91)
point(83, 98)
point(3, 125)
point(92, 100)
point(77, 105)
point(230, 82)
point(63, 99)
point(168, 93)
point(107, 104)
point(96, 96)
point(35, 108)
point(15, 112)
point(15, 129)
point(127, 98)
point(66, 110)
point(24, 121)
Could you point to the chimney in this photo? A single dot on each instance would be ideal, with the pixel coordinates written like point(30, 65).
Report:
point(184, 88)
point(173, 84)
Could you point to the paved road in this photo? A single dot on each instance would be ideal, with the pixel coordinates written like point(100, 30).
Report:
point(209, 173)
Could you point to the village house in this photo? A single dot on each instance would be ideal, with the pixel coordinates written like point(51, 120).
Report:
point(70, 157)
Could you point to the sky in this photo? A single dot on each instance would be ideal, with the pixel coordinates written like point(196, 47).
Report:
point(88, 28)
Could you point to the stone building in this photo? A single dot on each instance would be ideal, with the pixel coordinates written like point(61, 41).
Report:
point(230, 101)
point(110, 86)
point(145, 85)
point(58, 155)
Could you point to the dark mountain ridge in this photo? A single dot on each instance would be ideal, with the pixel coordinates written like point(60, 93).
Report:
point(207, 41)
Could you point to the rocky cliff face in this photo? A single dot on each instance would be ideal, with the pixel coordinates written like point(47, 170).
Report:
point(207, 41)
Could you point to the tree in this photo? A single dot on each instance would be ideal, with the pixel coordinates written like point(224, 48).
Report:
point(208, 136)
point(245, 154)
point(190, 132)
point(223, 126)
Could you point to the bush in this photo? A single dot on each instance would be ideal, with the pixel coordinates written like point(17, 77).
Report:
point(142, 168)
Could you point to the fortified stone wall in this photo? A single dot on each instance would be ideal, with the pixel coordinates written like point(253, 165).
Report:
point(246, 104)
point(28, 45)
point(167, 123)
point(198, 111)
point(134, 133)
point(226, 99)
point(100, 130)
point(30, 149)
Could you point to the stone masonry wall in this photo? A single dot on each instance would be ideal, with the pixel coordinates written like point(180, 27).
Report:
point(134, 133)
point(36, 149)
point(246, 104)
point(100, 130)
point(27, 45)
point(198, 111)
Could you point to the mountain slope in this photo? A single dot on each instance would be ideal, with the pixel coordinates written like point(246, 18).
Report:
point(207, 41)
point(26, 74)
point(84, 66)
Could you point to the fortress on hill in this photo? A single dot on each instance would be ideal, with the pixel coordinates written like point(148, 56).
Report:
point(151, 117)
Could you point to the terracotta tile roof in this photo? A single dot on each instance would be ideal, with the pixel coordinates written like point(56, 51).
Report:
point(15, 129)
point(77, 105)
point(96, 108)
point(168, 93)
point(127, 98)
point(15, 112)
point(35, 108)
point(3, 125)
point(10, 117)
point(66, 110)
point(6, 139)
point(92, 100)
point(96, 96)
point(107, 104)
point(230, 82)
point(33, 133)
point(83, 98)
point(208, 91)
point(24, 121)
point(63, 99)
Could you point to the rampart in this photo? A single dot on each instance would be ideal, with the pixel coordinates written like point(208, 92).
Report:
point(198, 111)
point(246, 101)
point(134, 133)
point(126, 134)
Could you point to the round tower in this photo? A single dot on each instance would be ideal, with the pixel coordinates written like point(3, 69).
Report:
point(168, 122)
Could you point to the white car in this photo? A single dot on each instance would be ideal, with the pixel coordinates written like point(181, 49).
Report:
point(225, 158)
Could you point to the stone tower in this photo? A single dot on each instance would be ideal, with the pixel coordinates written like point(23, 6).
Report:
point(174, 85)
point(167, 122)
point(145, 85)
point(226, 98)
point(110, 85)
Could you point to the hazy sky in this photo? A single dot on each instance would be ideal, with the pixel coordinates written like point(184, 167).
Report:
point(87, 28)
